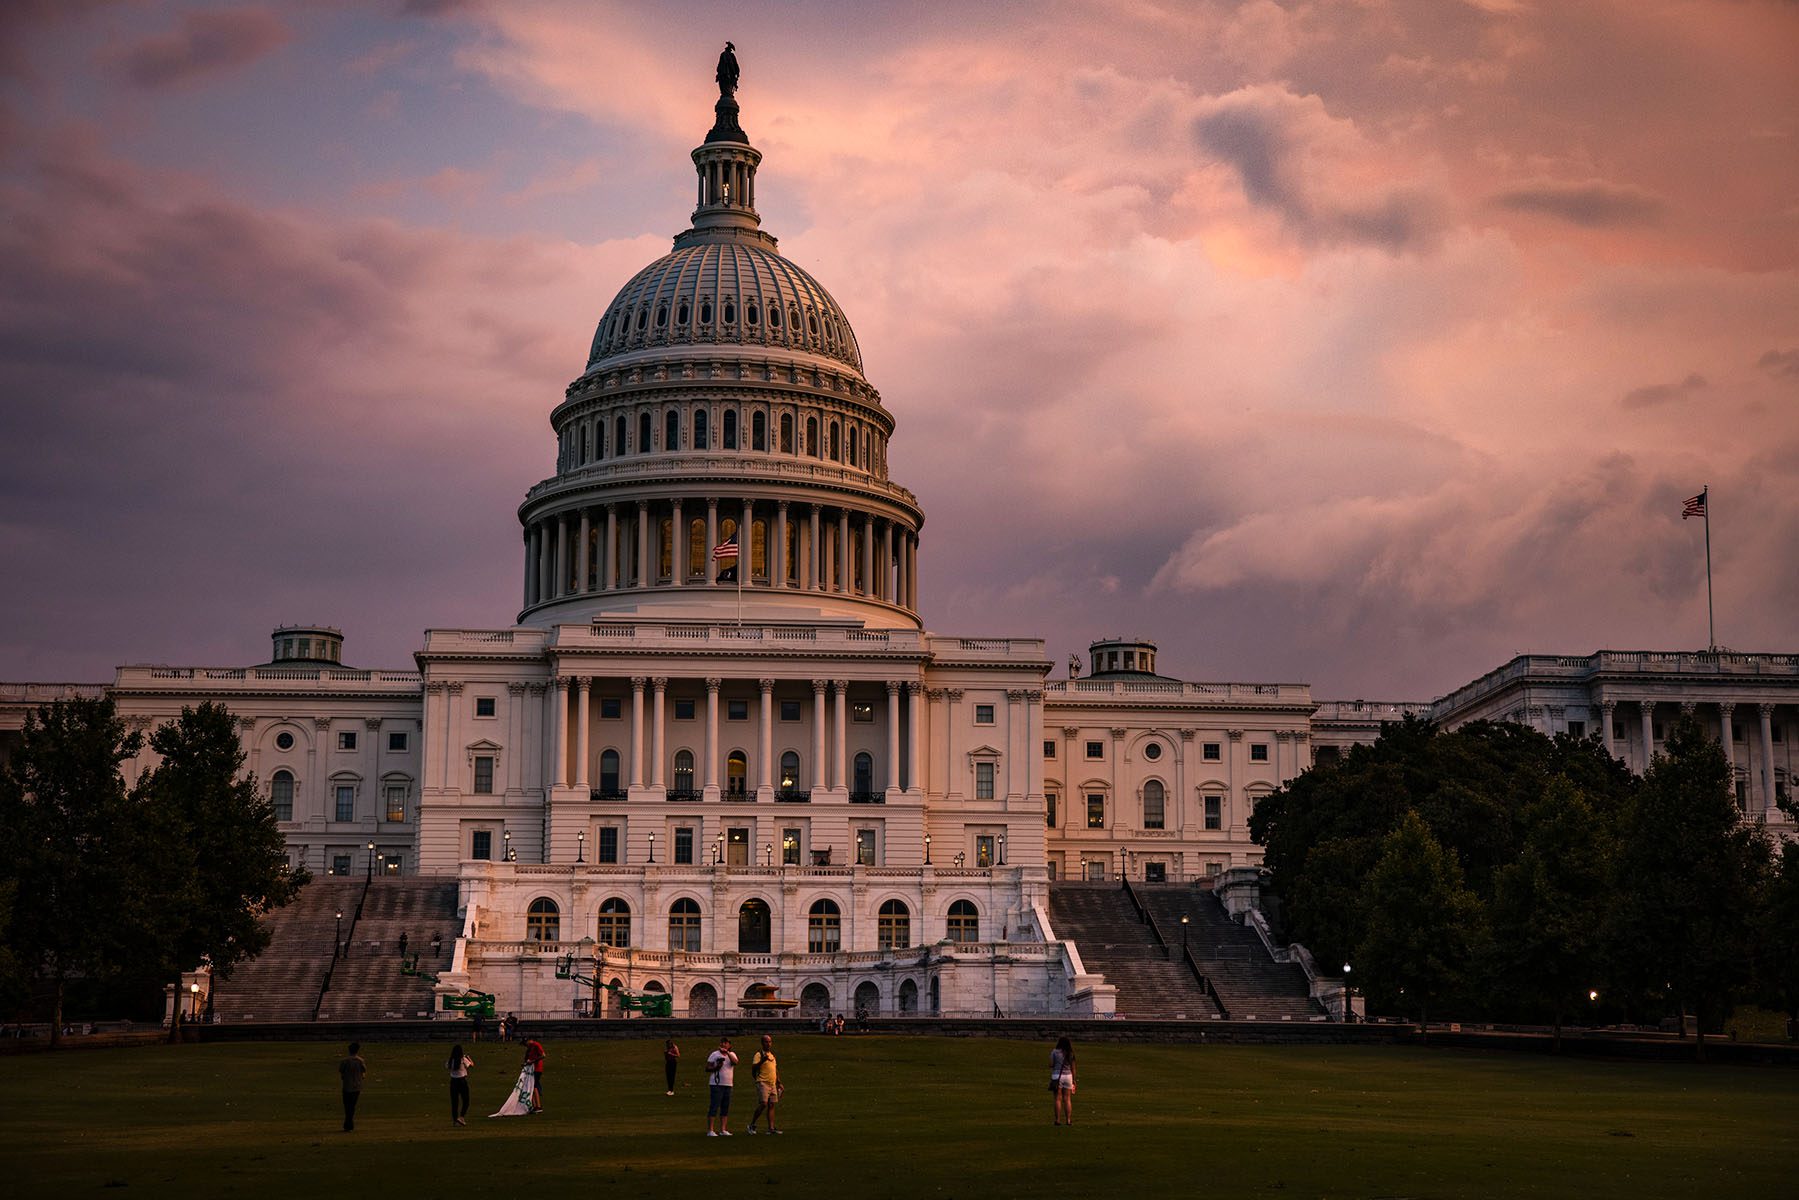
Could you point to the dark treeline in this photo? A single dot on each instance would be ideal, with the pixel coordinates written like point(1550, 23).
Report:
point(1494, 873)
point(108, 891)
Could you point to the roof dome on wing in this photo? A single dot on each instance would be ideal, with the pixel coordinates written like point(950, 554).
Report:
point(724, 291)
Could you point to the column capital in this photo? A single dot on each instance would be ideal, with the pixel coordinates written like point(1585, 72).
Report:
point(1766, 709)
point(767, 685)
point(842, 685)
point(819, 685)
point(372, 724)
point(638, 682)
point(781, 505)
point(1283, 735)
point(1608, 705)
point(1236, 735)
point(893, 687)
point(1687, 707)
point(954, 694)
point(1118, 732)
point(536, 688)
point(1727, 707)
point(643, 506)
point(1186, 735)
point(515, 689)
point(713, 683)
point(1070, 730)
point(660, 682)
point(1016, 694)
point(455, 687)
point(435, 685)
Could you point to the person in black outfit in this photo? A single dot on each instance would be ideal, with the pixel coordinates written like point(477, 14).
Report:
point(350, 1071)
point(459, 1065)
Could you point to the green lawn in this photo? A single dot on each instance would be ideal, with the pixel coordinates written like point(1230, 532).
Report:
point(903, 1117)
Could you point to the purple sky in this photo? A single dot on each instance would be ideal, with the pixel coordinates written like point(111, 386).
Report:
point(1359, 343)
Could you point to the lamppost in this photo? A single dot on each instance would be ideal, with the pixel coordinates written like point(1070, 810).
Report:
point(1184, 919)
point(580, 845)
point(337, 943)
point(193, 991)
point(961, 857)
point(718, 851)
point(1348, 1008)
point(371, 872)
point(927, 849)
point(768, 854)
point(652, 847)
point(510, 854)
point(1002, 849)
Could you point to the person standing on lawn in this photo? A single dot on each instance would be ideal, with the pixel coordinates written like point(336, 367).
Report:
point(534, 1058)
point(351, 1072)
point(721, 1069)
point(671, 1058)
point(459, 1094)
point(1061, 1080)
point(768, 1083)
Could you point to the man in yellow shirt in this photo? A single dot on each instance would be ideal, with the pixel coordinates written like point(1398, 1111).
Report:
point(768, 1083)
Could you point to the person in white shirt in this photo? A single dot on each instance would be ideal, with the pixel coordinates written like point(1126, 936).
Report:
point(721, 1067)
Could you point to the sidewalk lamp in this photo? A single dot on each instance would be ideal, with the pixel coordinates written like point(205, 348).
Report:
point(768, 854)
point(927, 849)
point(371, 873)
point(1348, 1007)
point(580, 845)
point(337, 945)
point(718, 850)
point(193, 991)
point(652, 847)
point(511, 854)
point(1002, 849)
point(1184, 920)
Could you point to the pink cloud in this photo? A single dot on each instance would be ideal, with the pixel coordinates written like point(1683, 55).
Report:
point(205, 43)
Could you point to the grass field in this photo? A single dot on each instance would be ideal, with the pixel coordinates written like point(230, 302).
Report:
point(913, 1117)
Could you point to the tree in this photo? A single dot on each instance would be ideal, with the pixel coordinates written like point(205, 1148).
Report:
point(1423, 924)
point(81, 884)
point(226, 862)
point(1690, 878)
point(1549, 904)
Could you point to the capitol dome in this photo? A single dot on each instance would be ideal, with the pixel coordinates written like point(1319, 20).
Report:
point(724, 293)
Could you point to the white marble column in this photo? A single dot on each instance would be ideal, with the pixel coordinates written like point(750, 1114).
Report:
point(711, 540)
point(582, 553)
point(561, 588)
point(887, 592)
point(765, 744)
point(530, 566)
point(840, 735)
point(515, 740)
point(582, 730)
point(659, 742)
point(644, 541)
point(868, 558)
point(813, 552)
point(818, 773)
point(611, 576)
point(1647, 708)
point(780, 555)
point(1727, 741)
point(953, 770)
point(1606, 730)
point(1015, 735)
point(746, 545)
point(559, 733)
point(712, 685)
point(846, 575)
point(914, 734)
point(677, 548)
point(893, 735)
point(637, 686)
point(1766, 712)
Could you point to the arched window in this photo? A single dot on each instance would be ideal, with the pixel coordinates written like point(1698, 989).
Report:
point(737, 773)
point(684, 770)
point(868, 998)
point(836, 443)
point(749, 314)
point(964, 922)
point(665, 548)
point(700, 431)
point(614, 928)
point(702, 1001)
point(774, 316)
point(730, 312)
point(696, 548)
point(754, 927)
point(671, 430)
point(681, 313)
point(811, 323)
point(586, 442)
point(618, 435)
point(599, 438)
point(281, 795)
point(812, 436)
point(706, 312)
point(730, 429)
point(662, 316)
point(684, 925)
point(759, 430)
point(1154, 805)
point(643, 318)
point(824, 928)
point(543, 922)
point(790, 771)
point(894, 928)
point(609, 770)
point(786, 433)
point(643, 432)
point(853, 439)
point(908, 997)
point(864, 783)
point(815, 1001)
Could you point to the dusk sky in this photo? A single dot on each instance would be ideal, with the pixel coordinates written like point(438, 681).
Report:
point(1360, 343)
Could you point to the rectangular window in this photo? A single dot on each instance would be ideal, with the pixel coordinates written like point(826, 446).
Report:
point(396, 742)
point(1214, 812)
point(481, 845)
point(983, 781)
point(1049, 809)
point(1096, 810)
point(737, 710)
point(346, 740)
point(1577, 729)
point(1050, 866)
point(862, 714)
point(340, 864)
point(346, 803)
point(1155, 872)
point(1154, 810)
point(684, 710)
point(611, 708)
point(1258, 752)
point(790, 847)
point(790, 710)
point(484, 706)
point(865, 847)
point(684, 847)
point(1049, 749)
point(396, 802)
point(983, 714)
point(1096, 749)
point(983, 850)
point(1096, 869)
point(483, 775)
point(608, 852)
point(1211, 751)
point(1214, 870)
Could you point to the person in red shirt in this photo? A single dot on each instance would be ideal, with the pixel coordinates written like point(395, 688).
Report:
point(534, 1058)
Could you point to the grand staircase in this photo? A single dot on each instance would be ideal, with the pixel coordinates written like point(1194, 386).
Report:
point(298, 979)
point(1155, 983)
point(1114, 942)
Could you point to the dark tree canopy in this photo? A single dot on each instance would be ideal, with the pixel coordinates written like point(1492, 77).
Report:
point(1423, 928)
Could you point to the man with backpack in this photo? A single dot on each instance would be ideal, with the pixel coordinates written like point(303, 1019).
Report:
point(768, 1083)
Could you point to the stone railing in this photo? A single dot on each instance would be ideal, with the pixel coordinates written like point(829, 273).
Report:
point(650, 634)
point(45, 693)
point(1649, 663)
point(163, 677)
point(485, 641)
point(1237, 693)
point(1363, 711)
point(748, 465)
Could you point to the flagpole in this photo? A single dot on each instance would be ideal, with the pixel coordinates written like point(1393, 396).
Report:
point(1711, 626)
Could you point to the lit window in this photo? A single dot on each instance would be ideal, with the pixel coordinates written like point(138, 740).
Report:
point(983, 714)
point(865, 847)
point(396, 802)
point(1096, 810)
point(790, 847)
point(983, 850)
point(483, 775)
point(683, 770)
point(543, 922)
point(862, 714)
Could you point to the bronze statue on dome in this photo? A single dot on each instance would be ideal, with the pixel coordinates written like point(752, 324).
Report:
point(727, 71)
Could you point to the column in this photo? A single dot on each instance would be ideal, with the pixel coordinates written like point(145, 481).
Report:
point(887, 592)
point(530, 566)
point(559, 734)
point(846, 578)
point(817, 774)
point(677, 548)
point(1017, 765)
point(658, 742)
point(1727, 739)
point(1647, 708)
point(583, 553)
point(712, 686)
point(1606, 708)
point(515, 741)
point(544, 561)
point(582, 732)
point(766, 751)
point(1184, 820)
point(746, 544)
point(1767, 756)
point(893, 741)
point(711, 540)
point(912, 575)
point(780, 556)
point(1238, 818)
point(952, 780)
point(900, 573)
point(914, 734)
point(812, 553)
point(611, 547)
point(840, 739)
point(644, 578)
point(637, 682)
point(561, 588)
point(868, 558)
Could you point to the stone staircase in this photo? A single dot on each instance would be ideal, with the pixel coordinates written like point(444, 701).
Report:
point(1100, 919)
point(283, 984)
point(366, 985)
point(1251, 985)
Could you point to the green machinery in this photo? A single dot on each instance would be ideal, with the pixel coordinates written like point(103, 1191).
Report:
point(650, 1004)
point(470, 1003)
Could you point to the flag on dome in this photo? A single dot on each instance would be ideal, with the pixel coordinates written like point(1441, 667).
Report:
point(1695, 507)
point(726, 551)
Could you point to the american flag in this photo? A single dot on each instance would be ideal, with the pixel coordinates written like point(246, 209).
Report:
point(725, 549)
point(1695, 507)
